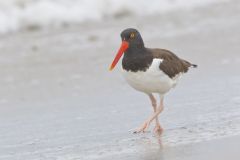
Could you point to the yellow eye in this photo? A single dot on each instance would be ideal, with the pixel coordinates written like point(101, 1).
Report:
point(132, 35)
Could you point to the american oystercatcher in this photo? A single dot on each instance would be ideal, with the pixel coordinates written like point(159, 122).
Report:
point(149, 71)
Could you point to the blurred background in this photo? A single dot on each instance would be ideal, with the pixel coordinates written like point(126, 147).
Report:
point(59, 101)
point(22, 14)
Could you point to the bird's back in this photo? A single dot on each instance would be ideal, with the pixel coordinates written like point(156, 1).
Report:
point(171, 64)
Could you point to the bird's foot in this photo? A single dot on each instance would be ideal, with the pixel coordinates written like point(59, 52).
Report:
point(158, 129)
point(143, 127)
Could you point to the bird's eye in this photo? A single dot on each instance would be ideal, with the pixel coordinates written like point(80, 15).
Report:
point(132, 35)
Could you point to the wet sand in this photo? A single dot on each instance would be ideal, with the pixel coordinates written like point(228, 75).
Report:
point(59, 101)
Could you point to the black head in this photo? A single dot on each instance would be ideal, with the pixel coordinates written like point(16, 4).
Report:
point(132, 44)
point(133, 37)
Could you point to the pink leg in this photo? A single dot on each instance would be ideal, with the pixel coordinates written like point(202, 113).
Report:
point(157, 129)
point(157, 111)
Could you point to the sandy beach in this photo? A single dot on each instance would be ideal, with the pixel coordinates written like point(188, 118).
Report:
point(58, 101)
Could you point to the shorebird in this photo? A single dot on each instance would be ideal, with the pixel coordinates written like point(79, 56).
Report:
point(149, 71)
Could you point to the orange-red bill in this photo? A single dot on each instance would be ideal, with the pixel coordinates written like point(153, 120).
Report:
point(121, 50)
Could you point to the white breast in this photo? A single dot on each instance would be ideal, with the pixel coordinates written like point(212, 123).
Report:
point(153, 80)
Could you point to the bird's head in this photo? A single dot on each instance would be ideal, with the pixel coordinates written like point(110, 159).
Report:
point(131, 39)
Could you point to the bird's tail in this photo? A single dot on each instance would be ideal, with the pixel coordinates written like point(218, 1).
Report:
point(190, 64)
point(194, 65)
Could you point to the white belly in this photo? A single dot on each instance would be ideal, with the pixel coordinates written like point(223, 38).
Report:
point(153, 80)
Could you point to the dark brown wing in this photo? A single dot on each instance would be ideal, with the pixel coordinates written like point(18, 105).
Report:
point(171, 64)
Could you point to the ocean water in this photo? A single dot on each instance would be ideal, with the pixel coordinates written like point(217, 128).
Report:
point(17, 14)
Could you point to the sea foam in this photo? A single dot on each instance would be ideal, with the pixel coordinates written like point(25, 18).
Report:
point(17, 14)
